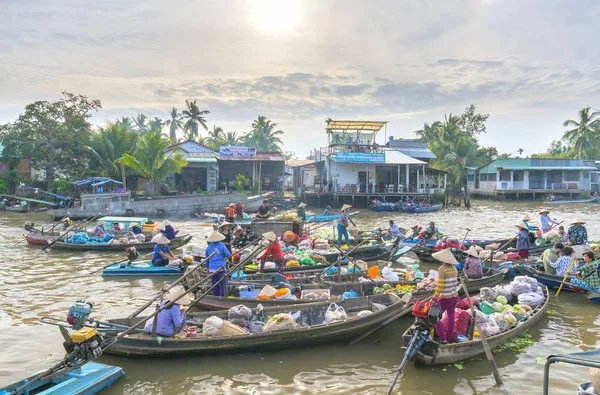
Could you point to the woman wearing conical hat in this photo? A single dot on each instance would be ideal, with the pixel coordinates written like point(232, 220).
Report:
point(577, 232)
point(162, 252)
point(170, 321)
point(273, 253)
point(473, 268)
point(446, 293)
point(217, 264)
point(545, 220)
point(523, 243)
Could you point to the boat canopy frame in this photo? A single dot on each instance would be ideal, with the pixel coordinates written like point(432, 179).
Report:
point(590, 359)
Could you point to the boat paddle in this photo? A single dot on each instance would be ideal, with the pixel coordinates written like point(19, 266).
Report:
point(566, 275)
point(63, 235)
point(486, 347)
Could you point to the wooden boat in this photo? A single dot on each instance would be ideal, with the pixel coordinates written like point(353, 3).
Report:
point(41, 239)
point(566, 201)
point(88, 379)
point(423, 209)
point(424, 252)
point(140, 269)
point(147, 246)
point(553, 281)
point(312, 331)
point(326, 218)
point(14, 209)
point(385, 206)
point(434, 353)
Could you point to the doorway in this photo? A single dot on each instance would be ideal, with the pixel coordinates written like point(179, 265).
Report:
point(362, 178)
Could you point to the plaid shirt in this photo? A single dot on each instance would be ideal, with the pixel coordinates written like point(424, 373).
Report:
point(589, 274)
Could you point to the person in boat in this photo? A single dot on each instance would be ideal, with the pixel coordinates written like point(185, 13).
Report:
point(230, 213)
point(393, 230)
point(526, 219)
point(545, 221)
point(116, 228)
point(551, 254)
point(162, 252)
point(217, 265)
point(66, 222)
point(523, 242)
point(135, 228)
point(5, 203)
point(301, 212)
point(170, 321)
point(263, 211)
point(99, 229)
point(588, 272)
point(564, 236)
point(225, 230)
point(577, 232)
point(239, 211)
point(563, 262)
point(434, 232)
point(343, 223)
point(291, 238)
point(446, 293)
point(413, 232)
point(273, 253)
point(328, 211)
point(167, 229)
point(473, 267)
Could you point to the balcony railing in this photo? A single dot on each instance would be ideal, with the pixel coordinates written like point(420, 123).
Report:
point(371, 148)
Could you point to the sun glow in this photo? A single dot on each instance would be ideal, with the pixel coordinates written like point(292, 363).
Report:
point(276, 16)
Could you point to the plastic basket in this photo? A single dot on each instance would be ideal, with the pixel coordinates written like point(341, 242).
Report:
point(248, 292)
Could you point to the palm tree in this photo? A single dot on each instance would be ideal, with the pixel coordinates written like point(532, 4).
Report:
point(126, 122)
point(108, 145)
point(429, 132)
point(140, 122)
point(175, 123)
point(263, 135)
point(520, 151)
point(155, 123)
point(584, 135)
point(217, 134)
point(193, 117)
point(149, 159)
point(231, 138)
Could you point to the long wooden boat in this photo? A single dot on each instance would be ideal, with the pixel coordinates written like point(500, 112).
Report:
point(423, 209)
point(424, 252)
point(311, 332)
point(326, 218)
point(336, 288)
point(41, 239)
point(88, 379)
point(553, 281)
point(435, 353)
point(565, 201)
point(147, 246)
point(14, 209)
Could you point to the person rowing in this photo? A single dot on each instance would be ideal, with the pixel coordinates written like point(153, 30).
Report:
point(545, 221)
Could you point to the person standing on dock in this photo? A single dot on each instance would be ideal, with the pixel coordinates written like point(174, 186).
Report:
point(545, 221)
point(300, 211)
point(523, 243)
point(343, 223)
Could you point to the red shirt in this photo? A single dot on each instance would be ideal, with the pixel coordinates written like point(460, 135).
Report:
point(274, 251)
point(295, 241)
point(239, 210)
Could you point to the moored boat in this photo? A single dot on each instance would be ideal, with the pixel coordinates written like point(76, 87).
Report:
point(326, 218)
point(553, 281)
point(87, 379)
point(310, 317)
point(423, 209)
point(146, 246)
point(435, 353)
point(566, 201)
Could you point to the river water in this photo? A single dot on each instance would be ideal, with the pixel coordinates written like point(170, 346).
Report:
point(35, 284)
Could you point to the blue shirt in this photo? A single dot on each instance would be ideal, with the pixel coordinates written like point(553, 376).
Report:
point(394, 230)
point(328, 212)
point(434, 232)
point(169, 321)
point(545, 221)
point(169, 232)
point(158, 249)
point(218, 260)
point(136, 230)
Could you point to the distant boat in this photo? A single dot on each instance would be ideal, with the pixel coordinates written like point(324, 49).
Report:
point(559, 201)
point(326, 218)
point(422, 209)
point(385, 206)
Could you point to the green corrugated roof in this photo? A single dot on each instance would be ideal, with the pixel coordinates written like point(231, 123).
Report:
point(533, 164)
point(548, 168)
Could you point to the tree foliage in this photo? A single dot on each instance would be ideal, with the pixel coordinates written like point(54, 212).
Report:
point(264, 135)
point(175, 123)
point(107, 145)
point(583, 138)
point(194, 118)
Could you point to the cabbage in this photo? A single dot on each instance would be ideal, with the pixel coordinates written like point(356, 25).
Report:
point(518, 312)
point(498, 306)
point(509, 317)
point(501, 299)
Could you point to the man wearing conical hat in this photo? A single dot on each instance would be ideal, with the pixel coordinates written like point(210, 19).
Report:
point(577, 232)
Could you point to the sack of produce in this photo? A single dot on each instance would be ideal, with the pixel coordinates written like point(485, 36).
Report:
point(242, 323)
point(307, 261)
point(509, 317)
point(292, 263)
point(499, 319)
point(349, 294)
point(501, 299)
point(488, 294)
point(211, 326)
point(279, 322)
point(284, 293)
point(504, 290)
point(525, 279)
point(331, 271)
point(498, 307)
point(490, 328)
point(364, 313)
point(373, 272)
point(480, 318)
point(461, 322)
point(531, 299)
point(108, 236)
point(335, 313)
point(256, 326)
point(464, 304)
point(519, 287)
point(230, 329)
point(518, 312)
point(319, 259)
point(427, 284)
point(289, 257)
point(239, 311)
point(270, 265)
point(433, 274)
point(389, 275)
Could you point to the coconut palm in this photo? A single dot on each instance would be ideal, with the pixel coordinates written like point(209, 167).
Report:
point(175, 123)
point(108, 145)
point(520, 151)
point(193, 117)
point(155, 123)
point(216, 134)
point(264, 136)
point(140, 122)
point(126, 122)
point(584, 135)
point(149, 159)
point(231, 138)
point(429, 132)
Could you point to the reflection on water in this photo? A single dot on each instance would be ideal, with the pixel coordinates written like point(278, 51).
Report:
point(34, 284)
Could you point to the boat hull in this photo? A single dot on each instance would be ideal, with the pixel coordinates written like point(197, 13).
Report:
point(569, 201)
point(433, 353)
point(177, 242)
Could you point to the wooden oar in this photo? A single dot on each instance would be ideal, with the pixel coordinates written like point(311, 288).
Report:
point(490, 259)
point(62, 235)
point(566, 275)
point(486, 347)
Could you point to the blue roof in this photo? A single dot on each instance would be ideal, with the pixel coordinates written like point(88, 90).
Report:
point(95, 181)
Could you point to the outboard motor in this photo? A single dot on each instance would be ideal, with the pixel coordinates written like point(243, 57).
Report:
point(79, 313)
point(132, 254)
point(29, 226)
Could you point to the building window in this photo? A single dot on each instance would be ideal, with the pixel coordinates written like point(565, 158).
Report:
point(517, 176)
point(571, 175)
point(483, 177)
point(471, 177)
point(492, 177)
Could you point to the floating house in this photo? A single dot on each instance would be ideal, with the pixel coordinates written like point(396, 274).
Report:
point(531, 177)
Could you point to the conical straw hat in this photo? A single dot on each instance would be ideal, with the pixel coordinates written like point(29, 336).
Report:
point(445, 256)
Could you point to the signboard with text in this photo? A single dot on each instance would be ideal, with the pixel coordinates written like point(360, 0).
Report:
point(237, 152)
point(360, 157)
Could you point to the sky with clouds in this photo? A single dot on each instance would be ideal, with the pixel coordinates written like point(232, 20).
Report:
point(530, 65)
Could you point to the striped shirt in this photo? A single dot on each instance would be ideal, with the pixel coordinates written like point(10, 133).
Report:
point(447, 284)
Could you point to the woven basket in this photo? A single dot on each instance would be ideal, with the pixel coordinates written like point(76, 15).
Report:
point(595, 378)
point(229, 329)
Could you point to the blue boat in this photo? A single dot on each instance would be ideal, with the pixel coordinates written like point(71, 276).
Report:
point(140, 269)
point(88, 379)
point(326, 218)
point(386, 207)
point(422, 209)
point(559, 201)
